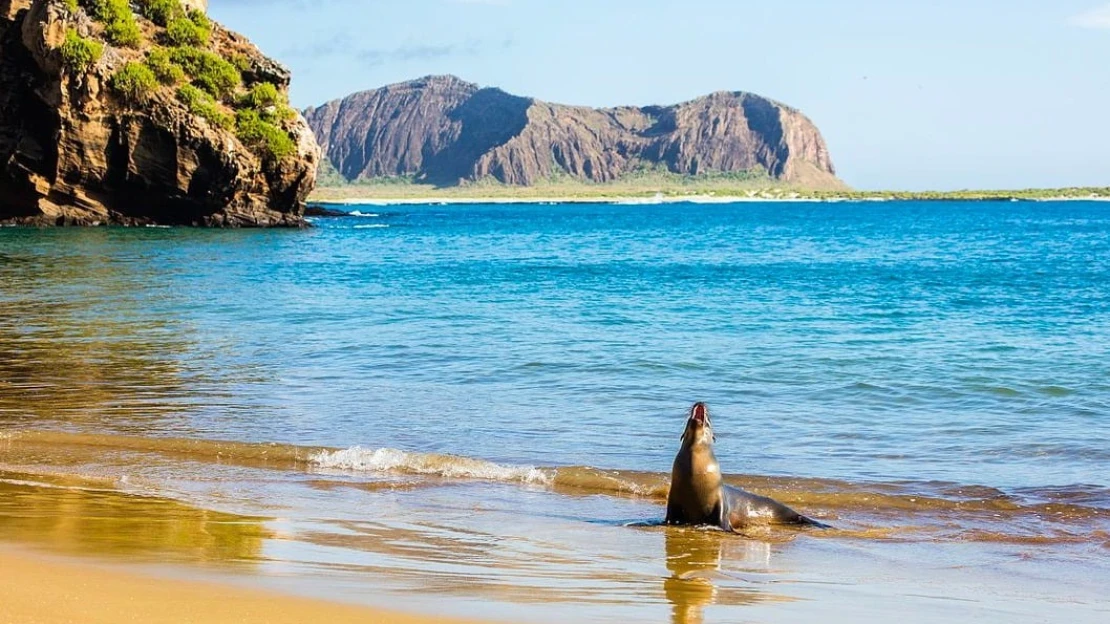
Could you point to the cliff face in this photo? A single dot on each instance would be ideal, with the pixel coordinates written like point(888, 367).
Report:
point(74, 150)
point(445, 131)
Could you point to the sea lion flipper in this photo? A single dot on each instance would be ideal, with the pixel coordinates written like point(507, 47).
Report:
point(674, 514)
point(810, 522)
point(723, 514)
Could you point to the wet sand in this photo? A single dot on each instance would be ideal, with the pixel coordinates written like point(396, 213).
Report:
point(49, 590)
point(83, 551)
point(489, 544)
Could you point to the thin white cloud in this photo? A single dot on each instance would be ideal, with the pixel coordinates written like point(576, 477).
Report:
point(1097, 18)
point(482, 2)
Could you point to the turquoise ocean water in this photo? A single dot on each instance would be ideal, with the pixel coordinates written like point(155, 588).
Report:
point(945, 345)
point(953, 341)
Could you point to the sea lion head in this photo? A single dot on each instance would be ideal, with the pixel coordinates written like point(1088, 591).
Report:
point(699, 429)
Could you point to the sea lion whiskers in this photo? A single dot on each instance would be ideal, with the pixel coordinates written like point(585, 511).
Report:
point(698, 420)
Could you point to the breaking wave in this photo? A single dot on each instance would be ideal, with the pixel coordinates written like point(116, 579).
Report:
point(866, 510)
point(446, 466)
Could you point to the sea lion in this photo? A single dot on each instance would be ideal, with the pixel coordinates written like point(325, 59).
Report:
point(699, 495)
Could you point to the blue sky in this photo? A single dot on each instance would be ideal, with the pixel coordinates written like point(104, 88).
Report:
point(941, 94)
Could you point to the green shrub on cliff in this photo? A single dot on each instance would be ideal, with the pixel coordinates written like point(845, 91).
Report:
point(209, 71)
point(262, 95)
point(200, 19)
point(271, 104)
point(135, 82)
point(189, 31)
point(277, 114)
point(192, 96)
point(161, 12)
point(72, 6)
point(106, 10)
point(264, 138)
point(79, 53)
point(119, 22)
point(241, 62)
point(124, 33)
point(202, 105)
point(167, 72)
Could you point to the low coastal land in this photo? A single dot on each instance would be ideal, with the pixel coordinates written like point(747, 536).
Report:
point(685, 191)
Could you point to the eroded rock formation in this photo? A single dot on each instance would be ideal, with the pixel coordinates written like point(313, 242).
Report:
point(74, 152)
point(445, 131)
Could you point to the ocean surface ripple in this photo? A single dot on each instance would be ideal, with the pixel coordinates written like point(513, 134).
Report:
point(964, 343)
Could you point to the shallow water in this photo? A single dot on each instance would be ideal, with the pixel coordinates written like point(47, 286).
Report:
point(482, 402)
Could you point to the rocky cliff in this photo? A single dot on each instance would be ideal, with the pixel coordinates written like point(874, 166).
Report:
point(142, 113)
point(444, 131)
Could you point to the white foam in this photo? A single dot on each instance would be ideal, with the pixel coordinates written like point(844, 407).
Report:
point(373, 226)
point(451, 467)
point(359, 213)
point(643, 201)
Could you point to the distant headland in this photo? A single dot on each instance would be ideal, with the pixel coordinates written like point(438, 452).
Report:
point(442, 133)
point(440, 138)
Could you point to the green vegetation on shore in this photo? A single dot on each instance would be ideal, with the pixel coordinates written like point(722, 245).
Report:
point(1077, 192)
point(331, 187)
point(645, 181)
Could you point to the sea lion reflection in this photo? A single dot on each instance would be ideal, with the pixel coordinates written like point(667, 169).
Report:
point(694, 558)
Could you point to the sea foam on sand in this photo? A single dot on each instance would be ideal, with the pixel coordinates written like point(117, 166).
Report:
point(447, 466)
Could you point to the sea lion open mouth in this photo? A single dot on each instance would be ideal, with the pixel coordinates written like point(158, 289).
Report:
point(700, 414)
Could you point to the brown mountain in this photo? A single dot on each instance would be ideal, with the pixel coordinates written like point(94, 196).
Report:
point(445, 131)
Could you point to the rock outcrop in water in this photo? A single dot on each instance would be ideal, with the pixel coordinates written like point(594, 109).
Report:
point(442, 130)
point(89, 135)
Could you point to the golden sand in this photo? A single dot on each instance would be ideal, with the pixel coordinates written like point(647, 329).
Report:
point(38, 590)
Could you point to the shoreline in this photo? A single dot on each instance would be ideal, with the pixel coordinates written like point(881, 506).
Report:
point(690, 199)
point(50, 589)
point(613, 200)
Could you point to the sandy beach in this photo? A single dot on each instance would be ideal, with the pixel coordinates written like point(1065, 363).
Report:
point(49, 590)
